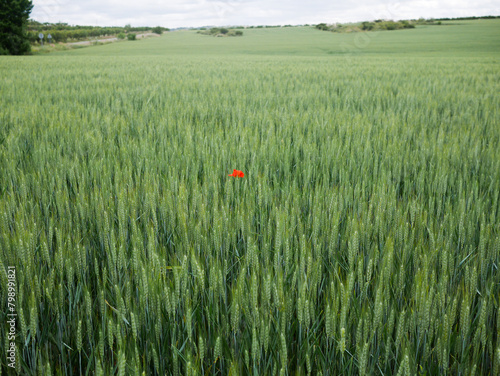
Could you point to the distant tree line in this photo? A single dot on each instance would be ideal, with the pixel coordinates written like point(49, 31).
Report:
point(221, 31)
point(254, 27)
point(62, 32)
point(466, 18)
point(389, 24)
point(74, 34)
point(368, 26)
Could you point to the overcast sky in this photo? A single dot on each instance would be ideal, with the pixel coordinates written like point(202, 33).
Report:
point(186, 13)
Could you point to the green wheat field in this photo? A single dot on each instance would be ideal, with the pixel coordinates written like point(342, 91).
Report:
point(364, 238)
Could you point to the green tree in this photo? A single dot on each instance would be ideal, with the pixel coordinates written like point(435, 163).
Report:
point(14, 15)
point(157, 30)
point(367, 25)
point(322, 26)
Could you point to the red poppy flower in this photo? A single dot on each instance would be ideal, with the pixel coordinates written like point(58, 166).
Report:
point(237, 174)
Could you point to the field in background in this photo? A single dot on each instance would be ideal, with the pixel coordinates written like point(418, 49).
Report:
point(451, 39)
point(363, 239)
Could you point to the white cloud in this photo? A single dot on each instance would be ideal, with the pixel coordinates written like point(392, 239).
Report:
point(178, 13)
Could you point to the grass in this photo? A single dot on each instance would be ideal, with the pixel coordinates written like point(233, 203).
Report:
point(478, 38)
point(45, 49)
point(363, 239)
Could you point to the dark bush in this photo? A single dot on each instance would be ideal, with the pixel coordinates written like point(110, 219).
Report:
point(367, 25)
point(157, 30)
point(321, 26)
point(131, 36)
point(391, 25)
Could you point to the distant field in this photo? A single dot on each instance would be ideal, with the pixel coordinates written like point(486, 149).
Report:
point(452, 39)
point(364, 238)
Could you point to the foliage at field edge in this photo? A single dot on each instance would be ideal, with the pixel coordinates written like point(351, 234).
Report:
point(376, 25)
point(221, 32)
point(62, 32)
